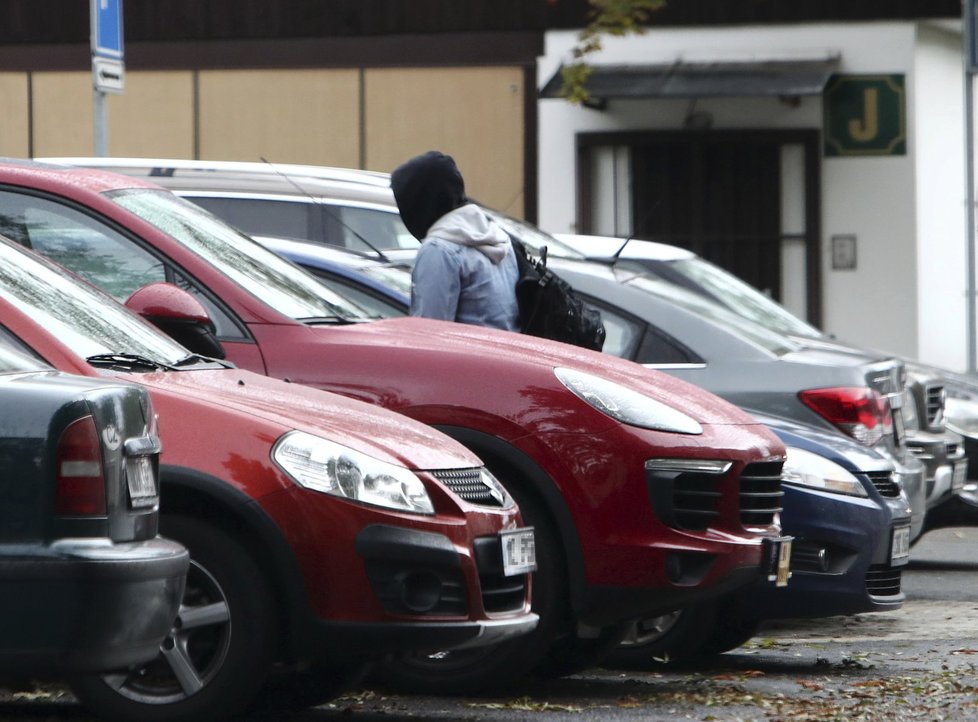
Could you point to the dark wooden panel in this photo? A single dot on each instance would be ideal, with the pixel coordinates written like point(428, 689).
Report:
point(568, 13)
point(66, 21)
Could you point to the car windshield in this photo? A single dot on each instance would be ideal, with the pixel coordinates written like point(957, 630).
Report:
point(742, 298)
point(277, 282)
point(396, 278)
point(533, 237)
point(702, 306)
point(85, 319)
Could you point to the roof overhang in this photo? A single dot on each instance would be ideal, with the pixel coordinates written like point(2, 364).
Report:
point(775, 77)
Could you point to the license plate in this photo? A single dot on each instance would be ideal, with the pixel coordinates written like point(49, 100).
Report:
point(142, 480)
point(780, 568)
point(900, 547)
point(960, 475)
point(519, 551)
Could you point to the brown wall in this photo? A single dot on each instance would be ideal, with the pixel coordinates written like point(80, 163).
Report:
point(374, 118)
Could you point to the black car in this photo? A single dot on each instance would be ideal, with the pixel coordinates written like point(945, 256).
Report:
point(86, 583)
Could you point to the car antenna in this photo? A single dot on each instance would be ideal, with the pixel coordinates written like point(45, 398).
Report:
point(325, 207)
point(631, 236)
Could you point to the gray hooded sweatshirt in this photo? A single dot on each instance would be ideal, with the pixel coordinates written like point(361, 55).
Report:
point(466, 271)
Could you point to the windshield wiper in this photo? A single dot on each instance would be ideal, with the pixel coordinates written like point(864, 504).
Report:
point(330, 320)
point(194, 359)
point(127, 362)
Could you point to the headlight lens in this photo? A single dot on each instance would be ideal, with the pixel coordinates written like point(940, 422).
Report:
point(325, 466)
point(625, 405)
point(804, 468)
point(961, 415)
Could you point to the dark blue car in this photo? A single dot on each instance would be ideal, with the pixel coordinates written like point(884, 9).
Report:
point(843, 503)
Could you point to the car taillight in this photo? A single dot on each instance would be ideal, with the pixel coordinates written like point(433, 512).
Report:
point(859, 411)
point(80, 489)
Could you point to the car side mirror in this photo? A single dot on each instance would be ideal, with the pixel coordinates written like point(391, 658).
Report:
point(179, 315)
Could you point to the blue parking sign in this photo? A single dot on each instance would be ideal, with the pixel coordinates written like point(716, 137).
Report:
point(107, 28)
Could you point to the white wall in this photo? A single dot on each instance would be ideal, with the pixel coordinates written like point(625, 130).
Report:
point(941, 198)
point(877, 303)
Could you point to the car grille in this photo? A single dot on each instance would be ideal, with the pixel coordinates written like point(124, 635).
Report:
point(503, 594)
point(760, 493)
point(499, 592)
point(935, 406)
point(468, 484)
point(686, 493)
point(884, 483)
point(882, 580)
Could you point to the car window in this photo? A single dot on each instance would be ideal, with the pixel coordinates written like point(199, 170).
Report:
point(263, 216)
point(622, 331)
point(79, 242)
point(742, 298)
point(81, 316)
point(534, 238)
point(658, 347)
point(99, 254)
point(269, 277)
point(371, 301)
point(366, 228)
point(700, 305)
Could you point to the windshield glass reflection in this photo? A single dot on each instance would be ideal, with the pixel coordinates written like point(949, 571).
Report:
point(743, 298)
point(277, 282)
point(87, 320)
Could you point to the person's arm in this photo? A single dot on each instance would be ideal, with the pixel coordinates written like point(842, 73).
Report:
point(435, 282)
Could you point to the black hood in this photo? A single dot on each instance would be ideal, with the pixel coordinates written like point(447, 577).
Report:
point(426, 188)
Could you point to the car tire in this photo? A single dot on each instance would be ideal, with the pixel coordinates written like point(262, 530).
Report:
point(572, 653)
point(729, 634)
point(295, 691)
point(503, 665)
point(219, 651)
point(673, 637)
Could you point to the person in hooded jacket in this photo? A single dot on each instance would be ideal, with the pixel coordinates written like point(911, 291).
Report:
point(466, 268)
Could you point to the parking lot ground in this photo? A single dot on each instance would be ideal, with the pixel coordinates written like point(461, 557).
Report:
point(917, 663)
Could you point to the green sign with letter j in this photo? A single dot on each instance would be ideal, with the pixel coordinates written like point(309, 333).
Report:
point(865, 115)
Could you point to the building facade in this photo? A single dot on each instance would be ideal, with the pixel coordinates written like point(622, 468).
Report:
point(822, 162)
point(815, 148)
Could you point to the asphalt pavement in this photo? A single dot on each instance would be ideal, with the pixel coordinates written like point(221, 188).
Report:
point(916, 663)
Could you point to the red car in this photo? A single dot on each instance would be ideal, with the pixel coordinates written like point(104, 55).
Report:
point(323, 532)
point(646, 493)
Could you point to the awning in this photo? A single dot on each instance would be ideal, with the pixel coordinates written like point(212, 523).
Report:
point(780, 77)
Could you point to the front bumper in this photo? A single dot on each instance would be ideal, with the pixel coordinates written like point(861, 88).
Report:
point(945, 464)
point(87, 604)
point(380, 581)
point(841, 559)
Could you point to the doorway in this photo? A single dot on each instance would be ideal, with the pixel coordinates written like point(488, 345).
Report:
point(746, 200)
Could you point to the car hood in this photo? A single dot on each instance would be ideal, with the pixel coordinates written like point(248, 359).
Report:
point(369, 429)
point(467, 350)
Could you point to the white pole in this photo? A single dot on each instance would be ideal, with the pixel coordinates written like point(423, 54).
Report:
point(100, 118)
point(969, 78)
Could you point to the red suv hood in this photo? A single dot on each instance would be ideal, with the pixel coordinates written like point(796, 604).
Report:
point(372, 430)
point(483, 353)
